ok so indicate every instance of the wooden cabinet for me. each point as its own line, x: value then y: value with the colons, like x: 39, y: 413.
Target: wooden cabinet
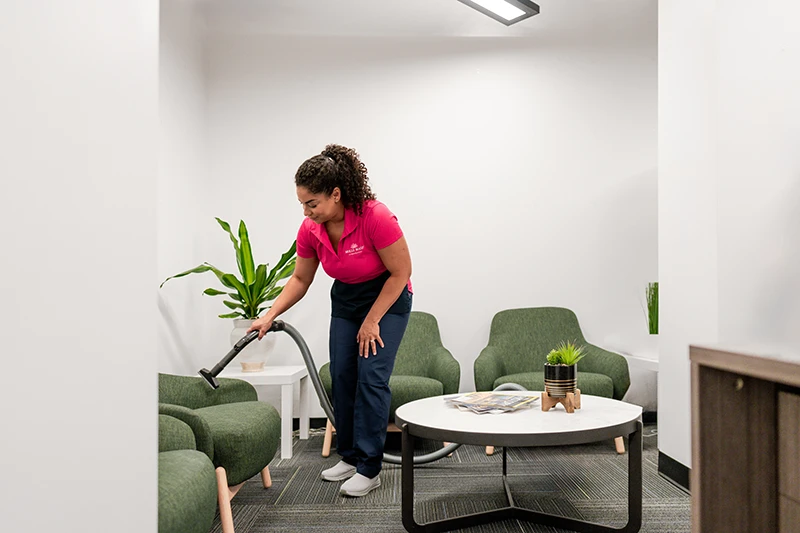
x: 745, y: 442
x: 789, y: 462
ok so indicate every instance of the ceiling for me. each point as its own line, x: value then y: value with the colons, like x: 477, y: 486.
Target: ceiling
x: 424, y: 18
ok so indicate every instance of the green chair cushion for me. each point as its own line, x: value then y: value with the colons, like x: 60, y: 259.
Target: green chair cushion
x: 588, y: 382
x: 187, y: 492
x: 409, y: 388
x: 246, y: 437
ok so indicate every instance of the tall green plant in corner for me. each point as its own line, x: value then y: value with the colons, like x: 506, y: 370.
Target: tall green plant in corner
x: 652, y: 307
x: 249, y: 294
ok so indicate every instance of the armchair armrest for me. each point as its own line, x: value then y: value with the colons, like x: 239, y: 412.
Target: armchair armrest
x: 610, y: 364
x: 174, y: 434
x: 194, y: 393
x: 488, y: 367
x: 233, y: 391
x: 202, y: 433
x: 445, y: 369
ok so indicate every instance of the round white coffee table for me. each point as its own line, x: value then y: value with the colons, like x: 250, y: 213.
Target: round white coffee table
x: 597, y: 419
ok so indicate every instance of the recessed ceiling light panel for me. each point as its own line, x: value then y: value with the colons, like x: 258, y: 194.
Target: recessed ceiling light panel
x: 506, y: 11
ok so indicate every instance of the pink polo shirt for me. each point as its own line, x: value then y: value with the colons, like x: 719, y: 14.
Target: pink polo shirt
x: 357, y: 258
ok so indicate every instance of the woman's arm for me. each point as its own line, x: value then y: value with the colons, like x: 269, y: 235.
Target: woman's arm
x: 292, y: 292
x: 397, y: 261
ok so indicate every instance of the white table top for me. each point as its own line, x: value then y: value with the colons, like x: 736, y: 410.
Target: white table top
x: 271, y: 375
x: 435, y: 418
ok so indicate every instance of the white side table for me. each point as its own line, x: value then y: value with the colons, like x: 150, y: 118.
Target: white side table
x: 286, y: 377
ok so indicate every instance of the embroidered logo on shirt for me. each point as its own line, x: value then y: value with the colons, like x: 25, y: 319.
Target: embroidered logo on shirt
x: 354, y: 249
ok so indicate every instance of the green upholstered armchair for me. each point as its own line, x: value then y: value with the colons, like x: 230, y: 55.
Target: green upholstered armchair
x: 519, y: 341
x: 423, y: 368
x: 187, y: 487
x: 239, y: 433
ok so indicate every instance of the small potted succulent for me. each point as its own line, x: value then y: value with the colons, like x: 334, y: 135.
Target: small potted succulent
x: 561, y: 370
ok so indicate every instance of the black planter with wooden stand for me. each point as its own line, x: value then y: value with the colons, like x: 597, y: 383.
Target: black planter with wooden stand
x: 561, y: 386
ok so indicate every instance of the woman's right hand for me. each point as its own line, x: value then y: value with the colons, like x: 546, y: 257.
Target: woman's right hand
x: 262, y: 325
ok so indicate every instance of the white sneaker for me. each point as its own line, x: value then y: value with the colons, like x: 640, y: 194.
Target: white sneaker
x: 359, y: 485
x: 339, y: 472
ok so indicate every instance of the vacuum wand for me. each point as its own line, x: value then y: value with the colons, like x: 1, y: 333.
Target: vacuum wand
x: 211, y: 375
x: 324, y: 401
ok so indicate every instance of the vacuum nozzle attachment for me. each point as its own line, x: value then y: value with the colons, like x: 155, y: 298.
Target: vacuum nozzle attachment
x: 211, y: 375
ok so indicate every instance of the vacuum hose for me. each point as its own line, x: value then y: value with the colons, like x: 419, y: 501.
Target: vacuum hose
x: 278, y: 325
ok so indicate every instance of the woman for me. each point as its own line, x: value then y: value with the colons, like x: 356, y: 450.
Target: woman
x: 360, y: 244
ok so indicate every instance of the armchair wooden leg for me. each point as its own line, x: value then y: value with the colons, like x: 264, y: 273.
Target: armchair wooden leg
x: 224, y: 499
x: 490, y: 450
x: 266, y: 479
x: 620, y: 443
x: 326, y: 444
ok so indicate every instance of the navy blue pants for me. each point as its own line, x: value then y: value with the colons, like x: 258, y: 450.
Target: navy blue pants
x: 361, y: 394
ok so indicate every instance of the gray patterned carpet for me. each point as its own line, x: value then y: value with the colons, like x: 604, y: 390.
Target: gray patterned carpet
x: 587, y: 482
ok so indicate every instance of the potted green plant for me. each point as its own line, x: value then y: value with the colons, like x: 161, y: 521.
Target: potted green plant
x: 248, y: 295
x: 561, y: 370
x: 651, y: 294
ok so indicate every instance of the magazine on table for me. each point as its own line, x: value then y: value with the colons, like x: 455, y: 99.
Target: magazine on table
x: 492, y: 402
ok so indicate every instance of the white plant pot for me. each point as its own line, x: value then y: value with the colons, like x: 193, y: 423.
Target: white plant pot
x: 254, y: 355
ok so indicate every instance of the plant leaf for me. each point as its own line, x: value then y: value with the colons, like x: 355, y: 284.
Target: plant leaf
x: 231, y: 315
x: 233, y: 305
x: 247, y: 268
x: 273, y: 293
x: 227, y: 227
x: 221, y: 276
x: 196, y: 270
x: 236, y: 284
x: 213, y: 292
x: 236, y: 296
x: 285, y: 272
x: 257, y: 287
x: 651, y: 293
x: 289, y: 254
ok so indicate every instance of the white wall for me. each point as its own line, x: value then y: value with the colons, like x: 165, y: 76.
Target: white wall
x: 182, y: 167
x: 687, y: 197
x: 78, y: 190
x: 729, y: 188
x: 522, y: 173
x: 759, y: 173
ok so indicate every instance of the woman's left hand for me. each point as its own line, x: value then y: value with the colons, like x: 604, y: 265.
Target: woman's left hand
x: 369, y: 337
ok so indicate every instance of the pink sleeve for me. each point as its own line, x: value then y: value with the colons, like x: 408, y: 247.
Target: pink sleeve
x: 384, y: 228
x: 304, y: 247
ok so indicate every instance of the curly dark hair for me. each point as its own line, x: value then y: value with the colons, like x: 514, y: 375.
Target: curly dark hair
x: 337, y: 166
